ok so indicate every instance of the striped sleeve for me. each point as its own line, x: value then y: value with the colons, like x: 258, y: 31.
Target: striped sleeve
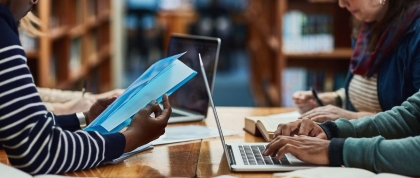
x: 33, y: 139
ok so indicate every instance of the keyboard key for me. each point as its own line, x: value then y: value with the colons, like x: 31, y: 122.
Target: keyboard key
x: 275, y: 161
x: 284, y: 161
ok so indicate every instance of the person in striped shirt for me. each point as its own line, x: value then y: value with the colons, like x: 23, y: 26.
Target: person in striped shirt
x: 384, y: 67
x: 39, y: 142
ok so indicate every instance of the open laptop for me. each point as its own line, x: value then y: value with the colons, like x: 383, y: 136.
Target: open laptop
x: 247, y: 157
x: 190, y: 102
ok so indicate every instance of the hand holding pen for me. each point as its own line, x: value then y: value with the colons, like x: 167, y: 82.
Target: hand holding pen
x: 305, y: 101
x: 315, y: 95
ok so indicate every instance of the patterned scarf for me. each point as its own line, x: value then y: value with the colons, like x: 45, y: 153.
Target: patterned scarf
x: 366, y: 63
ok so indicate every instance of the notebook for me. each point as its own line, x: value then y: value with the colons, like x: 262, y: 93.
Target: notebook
x: 247, y: 157
x: 190, y: 102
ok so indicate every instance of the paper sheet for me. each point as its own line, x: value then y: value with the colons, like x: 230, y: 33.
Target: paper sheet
x: 188, y: 133
x: 128, y: 154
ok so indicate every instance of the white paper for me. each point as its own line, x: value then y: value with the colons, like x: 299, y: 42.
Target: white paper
x: 128, y: 154
x: 333, y: 172
x: 188, y: 133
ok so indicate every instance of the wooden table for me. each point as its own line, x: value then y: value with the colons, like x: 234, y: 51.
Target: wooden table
x: 200, y: 158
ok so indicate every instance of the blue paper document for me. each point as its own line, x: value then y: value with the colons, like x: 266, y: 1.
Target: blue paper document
x: 165, y: 76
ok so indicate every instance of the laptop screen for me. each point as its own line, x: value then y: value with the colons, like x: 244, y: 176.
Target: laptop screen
x: 192, y: 96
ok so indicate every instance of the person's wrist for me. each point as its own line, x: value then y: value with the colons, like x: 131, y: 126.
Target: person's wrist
x: 328, y: 98
x: 133, y: 140
x: 82, y: 119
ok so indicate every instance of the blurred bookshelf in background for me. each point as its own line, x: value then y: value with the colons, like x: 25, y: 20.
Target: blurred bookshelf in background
x: 310, y: 34
x: 150, y: 23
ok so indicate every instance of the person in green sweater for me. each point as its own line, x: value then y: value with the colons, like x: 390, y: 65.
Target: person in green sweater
x: 386, y: 142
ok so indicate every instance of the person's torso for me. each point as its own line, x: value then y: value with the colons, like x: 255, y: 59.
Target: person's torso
x: 398, y: 76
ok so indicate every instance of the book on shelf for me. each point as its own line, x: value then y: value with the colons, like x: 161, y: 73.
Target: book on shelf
x: 294, y: 79
x: 342, y: 172
x: 307, y: 32
x: 75, y: 55
x: 267, y: 125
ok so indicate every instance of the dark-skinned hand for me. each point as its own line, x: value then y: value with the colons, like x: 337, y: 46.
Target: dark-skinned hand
x: 97, y: 108
x: 145, y: 128
x: 309, y: 149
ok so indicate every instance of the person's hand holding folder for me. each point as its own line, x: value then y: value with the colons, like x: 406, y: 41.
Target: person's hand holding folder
x: 145, y: 128
x: 97, y: 108
x: 163, y: 77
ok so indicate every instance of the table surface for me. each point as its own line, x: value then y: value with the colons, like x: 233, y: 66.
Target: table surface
x: 199, y: 158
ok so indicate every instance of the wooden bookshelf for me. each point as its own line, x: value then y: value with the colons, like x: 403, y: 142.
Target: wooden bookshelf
x: 268, y: 61
x: 77, y: 44
x: 337, y: 54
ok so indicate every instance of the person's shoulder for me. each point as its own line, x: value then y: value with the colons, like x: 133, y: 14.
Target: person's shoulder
x: 8, y: 35
x: 6, y: 26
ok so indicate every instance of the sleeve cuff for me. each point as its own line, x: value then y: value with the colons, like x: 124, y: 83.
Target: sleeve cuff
x: 335, y: 152
x: 341, y: 93
x: 114, y: 146
x: 330, y: 128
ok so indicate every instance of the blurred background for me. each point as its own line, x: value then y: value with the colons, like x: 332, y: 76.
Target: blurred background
x: 269, y: 49
x: 149, y: 24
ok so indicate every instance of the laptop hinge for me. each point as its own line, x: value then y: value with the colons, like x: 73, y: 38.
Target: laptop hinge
x: 232, y: 159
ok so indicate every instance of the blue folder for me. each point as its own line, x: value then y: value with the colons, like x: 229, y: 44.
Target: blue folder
x: 163, y: 77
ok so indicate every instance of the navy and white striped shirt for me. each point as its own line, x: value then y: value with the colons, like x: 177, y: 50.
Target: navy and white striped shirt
x: 36, y: 141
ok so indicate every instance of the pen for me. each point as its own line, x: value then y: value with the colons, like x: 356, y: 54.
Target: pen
x: 84, y: 87
x: 318, y: 101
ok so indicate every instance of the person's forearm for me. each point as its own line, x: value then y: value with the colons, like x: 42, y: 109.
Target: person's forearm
x: 376, y: 154
x: 400, y: 122
x: 133, y: 140
x: 328, y: 98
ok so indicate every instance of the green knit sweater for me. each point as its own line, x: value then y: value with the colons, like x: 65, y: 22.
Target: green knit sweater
x: 386, y: 142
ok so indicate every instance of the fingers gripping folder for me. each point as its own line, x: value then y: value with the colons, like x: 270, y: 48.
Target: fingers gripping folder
x: 163, y: 77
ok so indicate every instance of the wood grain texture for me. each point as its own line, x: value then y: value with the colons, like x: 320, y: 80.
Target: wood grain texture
x: 199, y: 158
x: 177, y: 160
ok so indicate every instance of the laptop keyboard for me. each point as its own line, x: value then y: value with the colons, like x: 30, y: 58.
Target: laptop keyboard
x: 252, y: 155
